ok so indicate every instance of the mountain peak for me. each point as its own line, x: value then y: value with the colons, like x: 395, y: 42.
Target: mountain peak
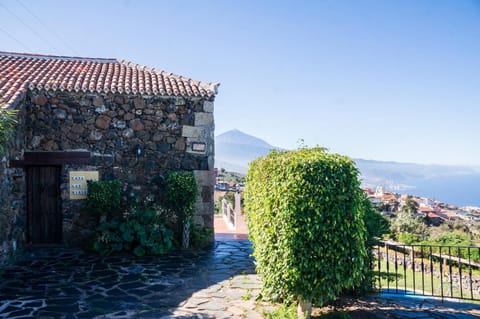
x: 234, y: 149
x: 238, y: 137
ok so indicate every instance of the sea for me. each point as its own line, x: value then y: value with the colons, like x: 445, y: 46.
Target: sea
x: 458, y: 190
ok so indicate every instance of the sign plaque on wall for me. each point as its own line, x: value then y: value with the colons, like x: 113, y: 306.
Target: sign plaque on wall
x: 78, y: 183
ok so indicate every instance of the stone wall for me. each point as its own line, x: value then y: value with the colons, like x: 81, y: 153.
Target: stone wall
x: 12, y: 217
x: 172, y: 134
x: 12, y: 197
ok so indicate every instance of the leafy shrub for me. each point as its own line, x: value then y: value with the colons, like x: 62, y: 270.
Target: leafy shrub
x: 456, y: 238
x: 104, y: 198
x: 218, y: 207
x: 230, y: 197
x: 200, y: 236
x: 150, y: 236
x: 109, y: 239
x: 141, y: 232
x: 181, y: 192
x: 180, y: 197
x: 409, y: 238
x: 459, y: 226
x: 305, y: 215
x: 377, y: 226
x: 407, y: 223
x: 283, y: 311
x: 453, y: 239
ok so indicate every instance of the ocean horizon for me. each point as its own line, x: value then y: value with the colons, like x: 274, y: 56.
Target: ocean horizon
x: 458, y: 190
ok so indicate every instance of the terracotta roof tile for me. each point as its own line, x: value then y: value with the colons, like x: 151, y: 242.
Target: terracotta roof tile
x: 22, y: 71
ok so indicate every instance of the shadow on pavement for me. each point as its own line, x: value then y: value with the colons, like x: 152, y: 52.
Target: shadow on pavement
x: 392, y: 306
x: 69, y: 283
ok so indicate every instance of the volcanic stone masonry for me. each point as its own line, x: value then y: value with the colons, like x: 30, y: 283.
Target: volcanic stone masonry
x: 135, y: 139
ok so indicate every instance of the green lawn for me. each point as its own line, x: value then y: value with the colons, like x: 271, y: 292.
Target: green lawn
x: 406, y: 279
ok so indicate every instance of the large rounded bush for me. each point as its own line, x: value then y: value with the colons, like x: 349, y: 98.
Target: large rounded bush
x: 304, y: 211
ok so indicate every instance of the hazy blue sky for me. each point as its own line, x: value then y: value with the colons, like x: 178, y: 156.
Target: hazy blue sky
x: 386, y: 80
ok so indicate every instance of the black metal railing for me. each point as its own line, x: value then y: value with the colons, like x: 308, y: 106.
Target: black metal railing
x: 428, y: 270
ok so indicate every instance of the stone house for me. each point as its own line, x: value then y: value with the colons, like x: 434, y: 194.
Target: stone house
x: 88, y: 118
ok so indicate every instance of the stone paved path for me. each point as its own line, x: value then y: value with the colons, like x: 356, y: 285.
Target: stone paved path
x: 66, y: 283
x: 224, y: 232
x: 218, y: 282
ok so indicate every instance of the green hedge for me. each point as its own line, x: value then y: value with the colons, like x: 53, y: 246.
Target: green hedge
x: 305, y: 215
x: 104, y: 198
x: 181, y: 193
x: 180, y: 197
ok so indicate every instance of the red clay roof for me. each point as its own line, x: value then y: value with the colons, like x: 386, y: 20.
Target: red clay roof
x: 433, y: 215
x: 425, y: 209
x: 22, y: 71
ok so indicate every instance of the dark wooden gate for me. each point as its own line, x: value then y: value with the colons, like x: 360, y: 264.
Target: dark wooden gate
x: 44, y: 213
x: 43, y: 205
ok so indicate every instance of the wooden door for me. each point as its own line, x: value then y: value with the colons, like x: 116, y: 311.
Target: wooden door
x: 43, y: 205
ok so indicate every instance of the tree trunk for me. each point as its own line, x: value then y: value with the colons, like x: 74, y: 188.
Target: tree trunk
x: 304, y: 309
x: 186, y: 234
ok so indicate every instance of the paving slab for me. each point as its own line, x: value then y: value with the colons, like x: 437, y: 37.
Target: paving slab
x: 69, y: 283
x: 217, y: 282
